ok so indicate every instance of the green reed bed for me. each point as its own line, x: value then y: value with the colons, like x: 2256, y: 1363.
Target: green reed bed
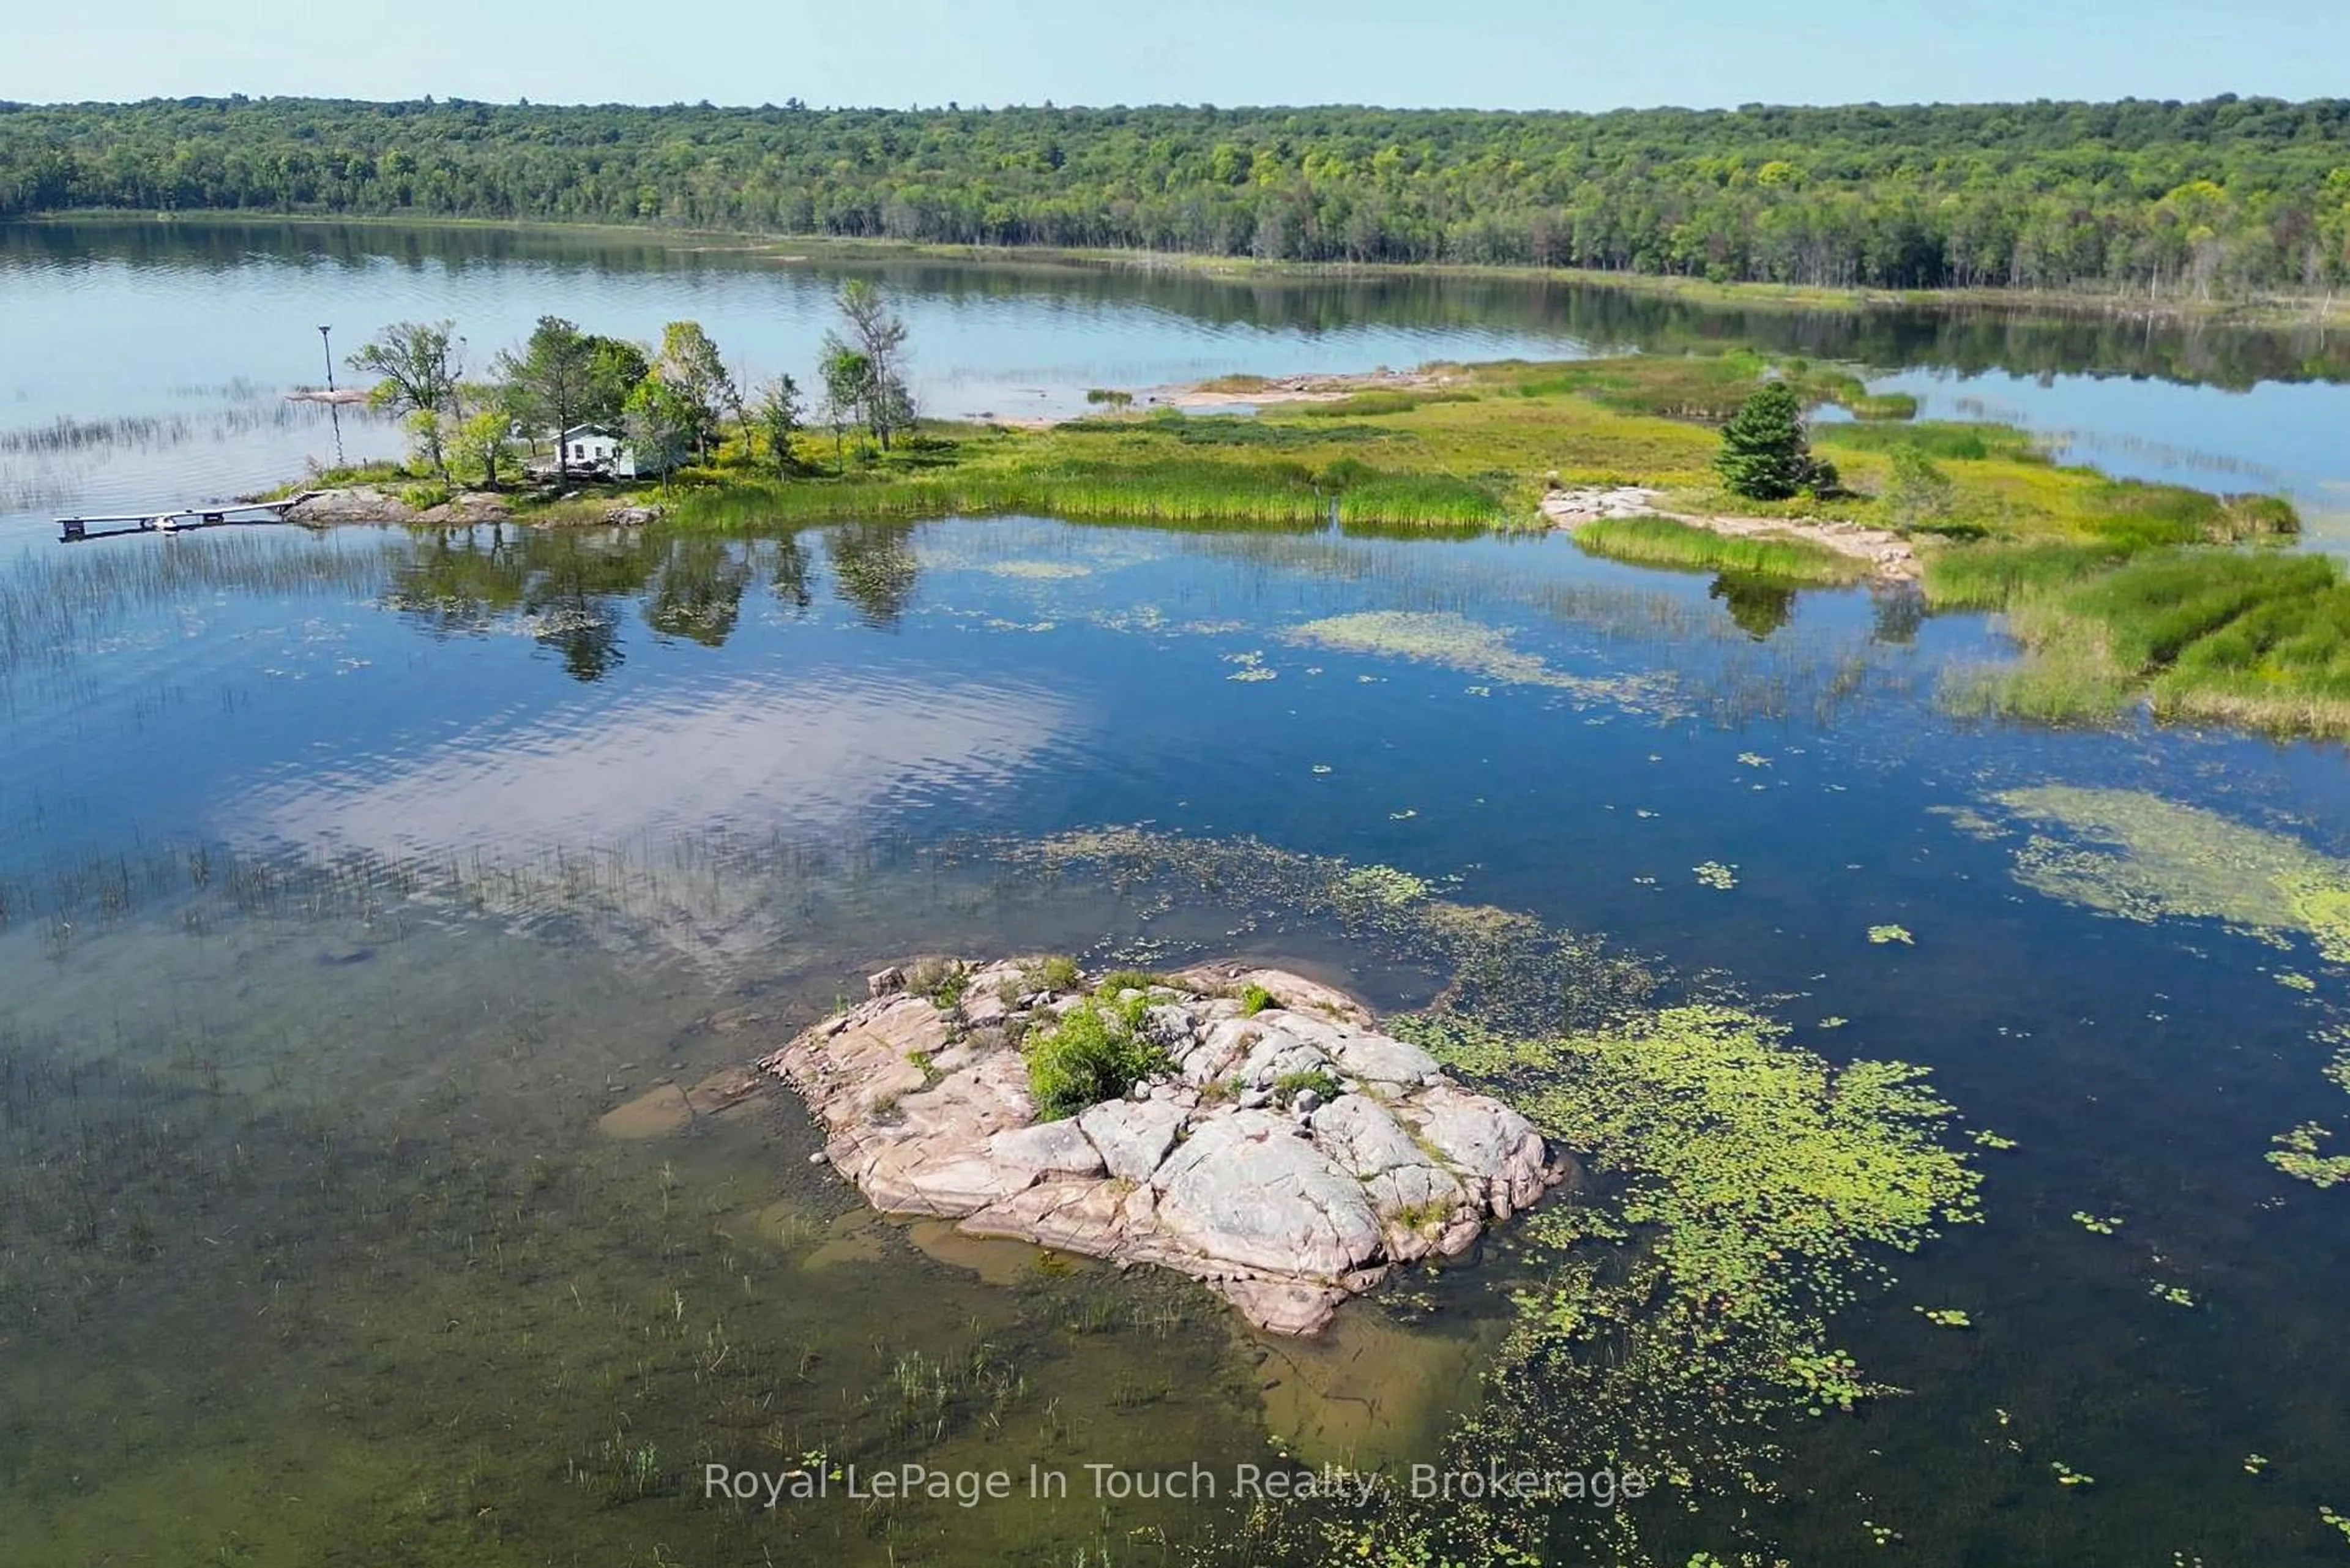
x: 2204, y: 634
x: 1435, y: 500
x: 1264, y: 495
x: 1992, y: 576
x: 1661, y: 542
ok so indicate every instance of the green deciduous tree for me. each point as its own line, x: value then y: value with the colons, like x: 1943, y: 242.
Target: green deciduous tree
x: 876, y: 337
x: 615, y: 365
x: 417, y: 365
x: 482, y: 445
x: 690, y: 365
x: 845, y: 373
x: 657, y: 423
x: 552, y: 379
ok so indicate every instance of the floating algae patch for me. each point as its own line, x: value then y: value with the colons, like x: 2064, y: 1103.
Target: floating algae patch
x: 1682, y: 1313
x: 1507, y: 965
x: 2301, y: 1153
x: 2143, y: 857
x: 1680, y: 1307
x: 1455, y: 642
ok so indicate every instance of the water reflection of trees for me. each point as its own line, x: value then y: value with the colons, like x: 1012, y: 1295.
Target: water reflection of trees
x: 568, y: 589
x: 874, y: 569
x: 1759, y: 605
x: 1966, y: 339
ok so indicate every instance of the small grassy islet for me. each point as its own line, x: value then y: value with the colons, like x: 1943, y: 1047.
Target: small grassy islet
x: 2118, y: 591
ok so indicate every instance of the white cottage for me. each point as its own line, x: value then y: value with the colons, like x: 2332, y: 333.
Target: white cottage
x: 597, y: 449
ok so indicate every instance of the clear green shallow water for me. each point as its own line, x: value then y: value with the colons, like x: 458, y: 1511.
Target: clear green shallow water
x: 348, y: 883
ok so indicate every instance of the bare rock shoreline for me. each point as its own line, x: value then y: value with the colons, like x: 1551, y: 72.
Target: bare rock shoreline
x: 1289, y: 1156
x: 373, y: 504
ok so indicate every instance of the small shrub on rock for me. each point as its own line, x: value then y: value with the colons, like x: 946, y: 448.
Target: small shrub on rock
x: 1092, y: 1054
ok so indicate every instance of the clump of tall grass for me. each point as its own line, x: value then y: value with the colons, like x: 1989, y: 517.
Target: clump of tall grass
x: 1434, y: 498
x: 2070, y: 677
x: 1662, y: 542
x: 2155, y: 607
x: 1180, y: 497
x: 1992, y: 576
x: 1167, y: 491
x: 2214, y: 635
x: 1378, y: 403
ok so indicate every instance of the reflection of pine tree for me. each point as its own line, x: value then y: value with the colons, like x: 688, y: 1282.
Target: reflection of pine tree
x: 1760, y: 608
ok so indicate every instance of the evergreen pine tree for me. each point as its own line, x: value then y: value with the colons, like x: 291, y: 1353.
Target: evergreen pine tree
x: 1764, y: 456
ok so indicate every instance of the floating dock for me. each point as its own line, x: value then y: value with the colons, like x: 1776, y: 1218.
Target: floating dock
x: 179, y: 520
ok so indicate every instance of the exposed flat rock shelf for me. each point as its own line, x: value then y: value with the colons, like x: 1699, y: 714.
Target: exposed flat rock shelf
x: 1283, y: 1199
x: 373, y: 504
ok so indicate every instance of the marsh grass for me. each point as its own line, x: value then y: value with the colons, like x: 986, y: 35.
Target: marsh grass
x: 2254, y: 640
x: 1995, y: 575
x: 1662, y: 542
x: 55, y: 602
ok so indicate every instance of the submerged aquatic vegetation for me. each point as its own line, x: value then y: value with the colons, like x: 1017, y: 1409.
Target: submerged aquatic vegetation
x: 1455, y: 642
x: 1385, y: 885
x: 1882, y: 934
x: 2142, y: 857
x: 2135, y: 854
x: 1752, y: 1190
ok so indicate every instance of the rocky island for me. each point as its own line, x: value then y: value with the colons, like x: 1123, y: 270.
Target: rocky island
x: 1250, y: 1127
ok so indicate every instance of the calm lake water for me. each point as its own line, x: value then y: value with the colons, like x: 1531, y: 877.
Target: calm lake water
x: 345, y: 882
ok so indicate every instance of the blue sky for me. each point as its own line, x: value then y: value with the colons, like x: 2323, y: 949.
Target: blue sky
x: 1521, y: 53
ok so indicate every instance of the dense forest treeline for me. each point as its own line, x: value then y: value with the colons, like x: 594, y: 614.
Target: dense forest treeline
x: 2221, y: 197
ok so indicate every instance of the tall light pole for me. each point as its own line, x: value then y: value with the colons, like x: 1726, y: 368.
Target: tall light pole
x: 334, y: 404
